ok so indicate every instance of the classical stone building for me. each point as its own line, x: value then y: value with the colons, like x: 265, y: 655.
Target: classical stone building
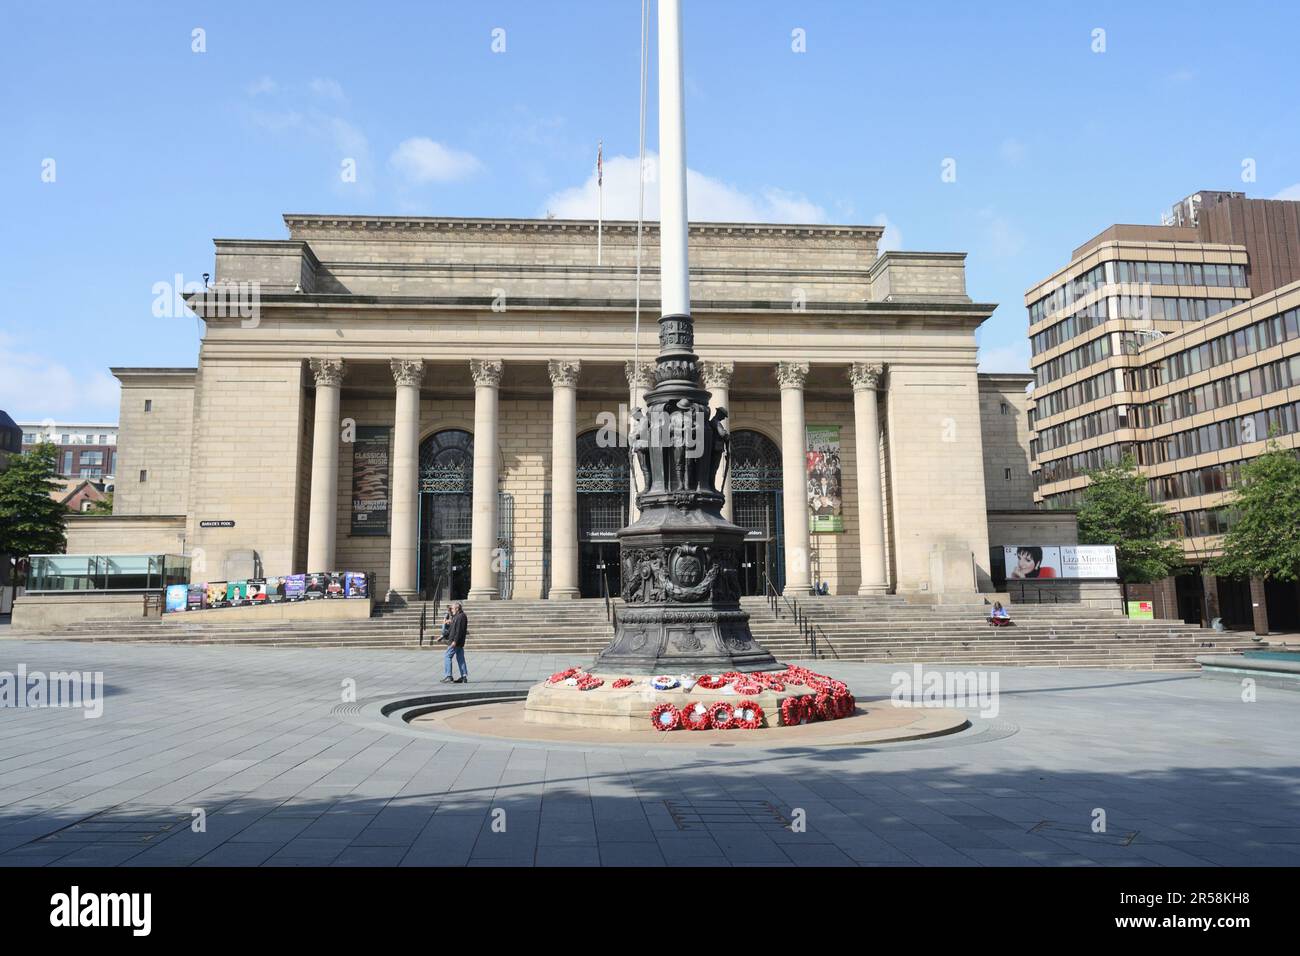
x: 439, y: 401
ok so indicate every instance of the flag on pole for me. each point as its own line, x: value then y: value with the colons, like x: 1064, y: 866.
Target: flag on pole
x: 600, y: 163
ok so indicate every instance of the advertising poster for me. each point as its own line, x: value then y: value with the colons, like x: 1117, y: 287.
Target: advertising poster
x: 334, y: 585
x: 195, y: 597
x: 236, y: 593
x: 217, y: 594
x: 1143, y: 610
x: 274, y: 589
x: 1088, y: 561
x: 256, y: 590
x: 825, y: 491
x: 370, y: 480
x: 317, y: 584
x: 1031, y: 562
x: 295, y: 587
x: 356, y: 585
x: 177, y: 598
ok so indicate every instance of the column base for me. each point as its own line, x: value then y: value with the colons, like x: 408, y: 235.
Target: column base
x: 483, y: 594
x: 400, y: 597
x: 563, y: 594
x: 872, y: 590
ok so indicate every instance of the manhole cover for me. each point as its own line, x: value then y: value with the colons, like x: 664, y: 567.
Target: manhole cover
x: 121, y: 826
x: 707, y: 814
x: 1073, y: 831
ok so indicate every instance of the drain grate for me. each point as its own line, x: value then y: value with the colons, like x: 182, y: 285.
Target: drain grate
x: 121, y: 825
x: 707, y: 814
x: 1075, y: 831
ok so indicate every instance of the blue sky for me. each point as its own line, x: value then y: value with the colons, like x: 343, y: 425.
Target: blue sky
x: 158, y: 149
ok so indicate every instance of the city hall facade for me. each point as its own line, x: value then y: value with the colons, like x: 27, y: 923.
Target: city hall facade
x: 443, y: 403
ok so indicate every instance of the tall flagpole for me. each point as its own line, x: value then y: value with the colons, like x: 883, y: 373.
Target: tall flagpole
x: 680, y: 559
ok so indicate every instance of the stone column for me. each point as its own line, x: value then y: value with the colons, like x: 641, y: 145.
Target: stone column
x: 404, y: 534
x: 323, y: 515
x: 483, y: 533
x: 564, y: 478
x: 871, y: 510
x: 638, y: 379
x: 717, y: 379
x: 794, y: 474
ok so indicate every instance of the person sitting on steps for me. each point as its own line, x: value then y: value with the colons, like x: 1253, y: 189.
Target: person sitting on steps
x: 999, y: 616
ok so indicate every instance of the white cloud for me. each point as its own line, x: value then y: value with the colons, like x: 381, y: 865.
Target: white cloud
x: 327, y: 89
x: 893, y: 237
x: 421, y: 160
x: 1003, y: 239
x: 263, y: 84
x: 1010, y: 357
x: 1291, y: 192
x: 34, y: 386
x: 1013, y: 151
x: 709, y: 199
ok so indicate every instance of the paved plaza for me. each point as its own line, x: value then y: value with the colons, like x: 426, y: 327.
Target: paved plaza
x: 262, y: 742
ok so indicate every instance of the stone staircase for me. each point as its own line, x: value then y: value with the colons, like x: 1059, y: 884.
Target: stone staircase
x: 877, y: 629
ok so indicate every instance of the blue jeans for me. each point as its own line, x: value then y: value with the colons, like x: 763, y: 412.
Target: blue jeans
x: 459, y: 654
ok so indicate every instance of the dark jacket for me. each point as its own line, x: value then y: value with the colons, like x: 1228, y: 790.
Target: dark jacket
x: 459, y: 628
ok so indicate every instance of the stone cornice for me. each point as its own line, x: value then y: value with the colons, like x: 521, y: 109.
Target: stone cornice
x: 397, y: 224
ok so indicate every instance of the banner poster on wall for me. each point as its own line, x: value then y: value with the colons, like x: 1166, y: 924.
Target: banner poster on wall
x: 370, y: 480
x: 177, y: 596
x: 825, y: 488
x: 1031, y: 562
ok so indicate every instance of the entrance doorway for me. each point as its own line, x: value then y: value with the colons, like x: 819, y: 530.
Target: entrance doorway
x: 597, y: 560
x: 603, y: 493
x: 756, y: 493
x: 446, y: 509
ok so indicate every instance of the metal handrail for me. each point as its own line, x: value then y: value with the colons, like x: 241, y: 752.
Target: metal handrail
x: 809, y: 630
x: 424, y: 609
x: 611, y: 612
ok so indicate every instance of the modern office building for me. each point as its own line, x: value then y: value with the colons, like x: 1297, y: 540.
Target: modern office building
x: 1177, y: 344
x: 84, y: 450
x: 440, y: 401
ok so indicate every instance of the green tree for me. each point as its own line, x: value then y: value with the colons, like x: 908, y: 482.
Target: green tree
x: 1264, y: 541
x: 104, y: 506
x: 31, y: 521
x: 1116, y: 509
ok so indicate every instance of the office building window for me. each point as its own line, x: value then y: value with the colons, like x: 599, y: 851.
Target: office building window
x: 1008, y: 473
x: 144, y: 474
x: 148, y: 404
x: 67, y: 462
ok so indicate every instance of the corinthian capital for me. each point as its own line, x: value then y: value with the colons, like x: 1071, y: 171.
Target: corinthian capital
x: 327, y: 371
x: 717, y: 374
x: 866, y: 376
x: 407, y: 371
x: 791, y: 374
x: 564, y: 371
x: 486, y: 371
x: 638, y: 373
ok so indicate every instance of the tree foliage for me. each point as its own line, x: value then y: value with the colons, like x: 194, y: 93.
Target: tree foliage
x: 31, y: 521
x: 1264, y: 540
x: 1117, y: 509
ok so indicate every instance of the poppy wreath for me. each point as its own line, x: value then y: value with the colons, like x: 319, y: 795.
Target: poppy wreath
x: 825, y: 709
x: 722, y: 716
x: 561, y: 676
x: 749, y: 716
x: 709, y: 682
x: 696, y: 717
x: 770, y: 681
x: 588, y: 682
x: 748, y: 686
x: 665, y: 683
x: 807, y: 709
x: 623, y: 682
x: 790, y: 711
x: 843, y: 705
x: 665, y: 716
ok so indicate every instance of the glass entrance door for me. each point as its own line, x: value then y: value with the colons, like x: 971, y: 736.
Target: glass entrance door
x: 447, y: 570
x: 597, y: 559
x: 753, y: 569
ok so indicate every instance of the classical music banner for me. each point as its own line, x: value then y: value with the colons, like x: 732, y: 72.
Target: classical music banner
x: 825, y: 488
x: 370, y: 480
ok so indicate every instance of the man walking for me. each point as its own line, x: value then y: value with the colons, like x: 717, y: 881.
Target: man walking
x: 456, y: 632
